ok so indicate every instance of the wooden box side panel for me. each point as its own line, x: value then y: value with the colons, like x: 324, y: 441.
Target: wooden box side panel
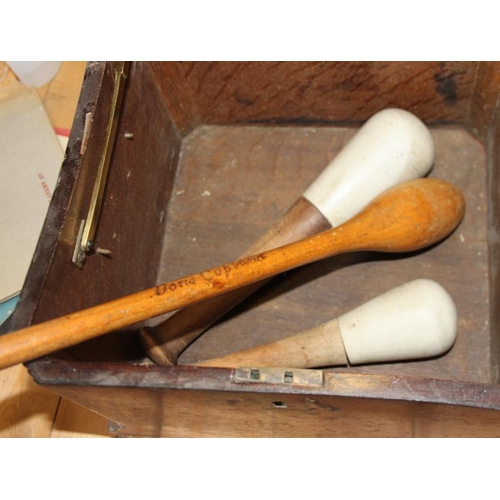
x: 181, y: 413
x: 153, y: 401
x: 134, y: 211
x: 251, y: 175
x: 176, y: 94
x: 483, y: 103
x: 327, y: 92
x: 62, y: 197
x: 493, y: 181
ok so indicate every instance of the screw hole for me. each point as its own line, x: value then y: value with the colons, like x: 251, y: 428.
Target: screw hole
x: 254, y: 374
x: 288, y: 378
x: 279, y: 404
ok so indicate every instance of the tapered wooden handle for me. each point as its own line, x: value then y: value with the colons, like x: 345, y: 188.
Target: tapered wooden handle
x: 392, y: 147
x: 412, y: 321
x: 405, y: 218
x: 317, y: 347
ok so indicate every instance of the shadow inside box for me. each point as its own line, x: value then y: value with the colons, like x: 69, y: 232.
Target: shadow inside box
x: 303, y: 276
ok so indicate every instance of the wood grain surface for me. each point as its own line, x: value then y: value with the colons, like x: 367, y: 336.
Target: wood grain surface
x: 318, y: 92
x: 190, y: 411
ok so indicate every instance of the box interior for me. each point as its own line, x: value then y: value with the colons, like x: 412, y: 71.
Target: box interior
x: 221, y: 150
x: 249, y: 176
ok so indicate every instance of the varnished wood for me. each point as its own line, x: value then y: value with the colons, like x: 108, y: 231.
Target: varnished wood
x: 483, y: 101
x: 206, y: 402
x: 406, y: 218
x: 168, y: 339
x: 317, y: 92
x: 176, y: 95
x: 493, y: 222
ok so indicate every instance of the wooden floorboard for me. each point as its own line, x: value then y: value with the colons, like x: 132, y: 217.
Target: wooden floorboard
x: 27, y: 410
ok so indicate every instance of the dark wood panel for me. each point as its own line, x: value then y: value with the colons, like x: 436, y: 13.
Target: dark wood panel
x: 347, y: 406
x: 484, y: 99
x: 176, y: 95
x: 493, y: 201
x: 327, y: 92
x: 133, y: 216
x: 61, y: 199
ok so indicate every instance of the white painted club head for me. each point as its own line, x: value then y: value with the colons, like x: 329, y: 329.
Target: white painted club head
x: 412, y: 321
x: 392, y: 147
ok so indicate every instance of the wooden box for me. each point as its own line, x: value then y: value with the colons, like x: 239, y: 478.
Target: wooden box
x: 206, y: 157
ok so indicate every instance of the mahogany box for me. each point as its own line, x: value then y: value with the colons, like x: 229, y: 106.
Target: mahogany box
x: 205, y: 157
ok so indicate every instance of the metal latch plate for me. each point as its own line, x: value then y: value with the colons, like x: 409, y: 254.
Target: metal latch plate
x: 287, y: 376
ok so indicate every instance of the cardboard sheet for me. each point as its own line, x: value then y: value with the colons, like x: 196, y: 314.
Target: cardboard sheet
x: 30, y: 159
